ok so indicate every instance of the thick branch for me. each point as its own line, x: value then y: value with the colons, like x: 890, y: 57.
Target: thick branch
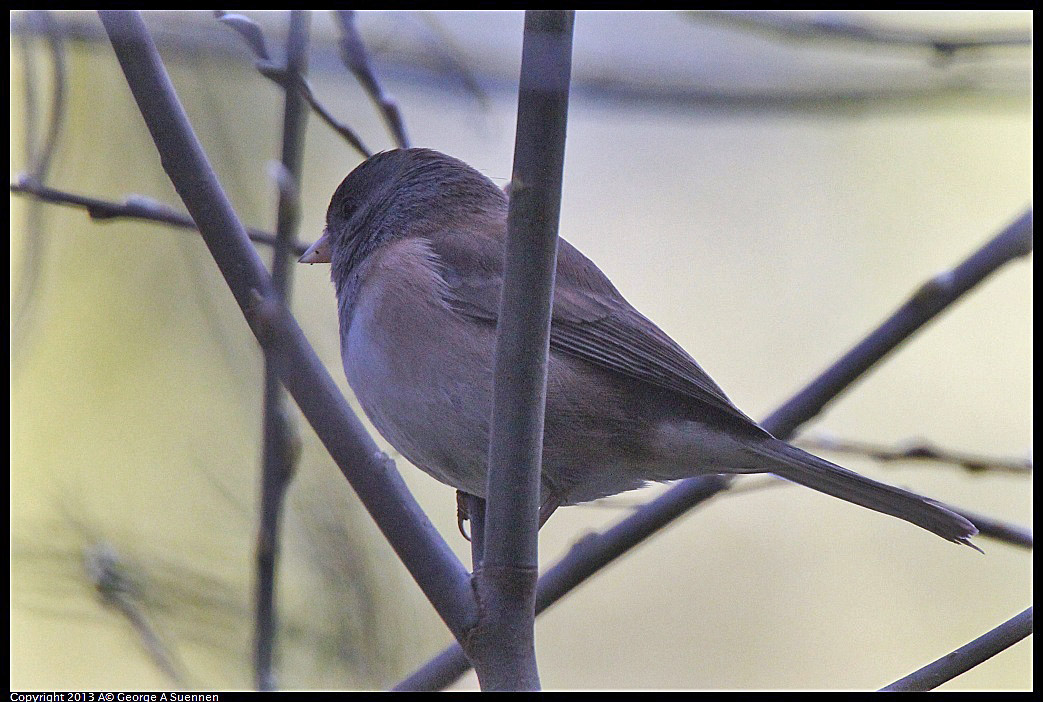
x: 503, y: 648
x: 372, y: 475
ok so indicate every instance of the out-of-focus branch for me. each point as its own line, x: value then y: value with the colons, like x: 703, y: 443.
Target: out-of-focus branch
x: 372, y: 475
x: 451, y: 52
x: 118, y: 591
x: 966, y: 657
x: 133, y: 207
x: 831, y: 26
x: 918, y: 450
x: 38, y: 156
x: 353, y: 53
x: 281, y: 443
x: 251, y: 33
x: 989, y: 527
x: 934, y: 296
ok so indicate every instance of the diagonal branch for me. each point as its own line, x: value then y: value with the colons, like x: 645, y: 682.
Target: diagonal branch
x: 966, y: 657
x: 932, y: 298
x: 372, y: 474
x: 252, y: 35
x: 353, y: 53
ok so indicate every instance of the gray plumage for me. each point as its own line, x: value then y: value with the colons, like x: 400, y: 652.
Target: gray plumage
x: 416, y: 241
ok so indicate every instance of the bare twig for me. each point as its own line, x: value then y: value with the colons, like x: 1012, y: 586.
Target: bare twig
x: 249, y: 30
x: 346, y: 132
x: 918, y: 450
x: 281, y: 443
x: 933, y: 297
x: 353, y: 53
x: 502, y: 646
x: 429, y: 559
x: 133, y: 207
x: 831, y: 26
x: 252, y: 35
x: 966, y: 657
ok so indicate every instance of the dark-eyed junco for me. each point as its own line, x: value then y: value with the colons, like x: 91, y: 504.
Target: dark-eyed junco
x: 416, y: 241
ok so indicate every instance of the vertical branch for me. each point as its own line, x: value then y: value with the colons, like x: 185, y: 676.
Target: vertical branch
x: 280, y: 440
x: 504, y: 644
x: 38, y: 158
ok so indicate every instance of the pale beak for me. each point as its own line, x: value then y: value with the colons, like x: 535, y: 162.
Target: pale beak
x: 319, y: 252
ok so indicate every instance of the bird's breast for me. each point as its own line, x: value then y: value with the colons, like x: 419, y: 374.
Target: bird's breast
x: 421, y: 372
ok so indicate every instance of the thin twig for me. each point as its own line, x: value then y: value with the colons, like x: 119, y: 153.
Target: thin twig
x: 40, y: 161
x: 966, y: 657
x: 281, y: 442
x: 833, y: 26
x: 373, y: 476
x: 1013, y: 242
x: 353, y: 53
x: 252, y: 35
x: 136, y: 207
x: 346, y: 132
x: 918, y: 450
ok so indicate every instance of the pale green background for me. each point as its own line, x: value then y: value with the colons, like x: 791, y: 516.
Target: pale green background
x: 764, y: 243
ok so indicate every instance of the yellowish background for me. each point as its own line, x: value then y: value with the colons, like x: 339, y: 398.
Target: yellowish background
x: 764, y: 243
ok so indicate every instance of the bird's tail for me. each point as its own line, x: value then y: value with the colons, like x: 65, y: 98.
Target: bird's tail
x: 801, y: 467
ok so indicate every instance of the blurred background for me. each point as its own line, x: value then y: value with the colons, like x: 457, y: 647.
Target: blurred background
x: 767, y: 187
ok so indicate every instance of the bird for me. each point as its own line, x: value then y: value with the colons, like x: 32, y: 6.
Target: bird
x: 415, y: 241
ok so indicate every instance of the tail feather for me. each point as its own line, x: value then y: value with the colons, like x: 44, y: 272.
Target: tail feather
x: 801, y: 467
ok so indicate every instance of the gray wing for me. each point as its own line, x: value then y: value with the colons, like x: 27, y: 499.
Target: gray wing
x: 590, y: 320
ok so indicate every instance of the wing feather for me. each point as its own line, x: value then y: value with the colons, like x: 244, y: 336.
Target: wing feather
x: 590, y: 320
